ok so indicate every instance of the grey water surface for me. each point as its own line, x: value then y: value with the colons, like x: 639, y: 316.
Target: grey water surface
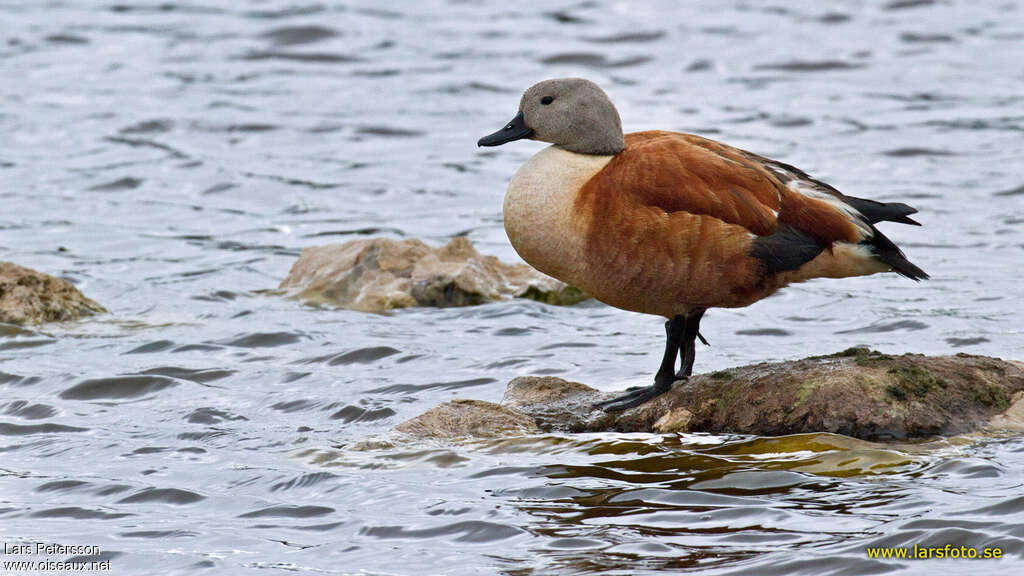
x: 173, y: 158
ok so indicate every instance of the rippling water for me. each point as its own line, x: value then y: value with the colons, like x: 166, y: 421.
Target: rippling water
x: 172, y: 159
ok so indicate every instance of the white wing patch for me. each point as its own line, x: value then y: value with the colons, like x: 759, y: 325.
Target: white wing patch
x: 812, y: 190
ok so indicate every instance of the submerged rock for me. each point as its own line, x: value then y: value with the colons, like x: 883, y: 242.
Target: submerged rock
x: 378, y: 274
x: 468, y: 418
x: 858, y: 393
x: 30, y: 297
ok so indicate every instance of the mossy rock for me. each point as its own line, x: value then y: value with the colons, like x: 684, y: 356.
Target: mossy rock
x: 856, y: 392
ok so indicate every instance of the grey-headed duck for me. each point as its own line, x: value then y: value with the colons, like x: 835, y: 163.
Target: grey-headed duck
x: 673, y: 224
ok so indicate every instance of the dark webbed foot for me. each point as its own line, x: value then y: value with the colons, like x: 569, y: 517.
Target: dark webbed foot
x: 633, y: 398
x: 680, y: 333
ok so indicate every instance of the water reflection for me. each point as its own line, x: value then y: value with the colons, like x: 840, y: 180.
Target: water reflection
x: 606, y: 502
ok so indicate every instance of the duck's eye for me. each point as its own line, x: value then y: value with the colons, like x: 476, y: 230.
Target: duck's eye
x: 547, y: 100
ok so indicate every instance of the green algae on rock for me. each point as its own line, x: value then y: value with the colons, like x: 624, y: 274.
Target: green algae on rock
x: 378, y: 274
x: 31, y: 297
x: 857, y: 393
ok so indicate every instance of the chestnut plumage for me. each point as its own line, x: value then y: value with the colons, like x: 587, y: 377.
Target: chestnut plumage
x: 673, y: 224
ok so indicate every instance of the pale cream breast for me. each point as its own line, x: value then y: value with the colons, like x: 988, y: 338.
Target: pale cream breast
x: 538, y: 211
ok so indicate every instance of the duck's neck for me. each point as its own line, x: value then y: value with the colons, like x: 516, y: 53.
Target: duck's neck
x: 596, y: 142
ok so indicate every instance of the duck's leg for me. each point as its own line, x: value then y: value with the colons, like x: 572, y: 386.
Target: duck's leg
x: 687, y: 348
x: 675, y: 330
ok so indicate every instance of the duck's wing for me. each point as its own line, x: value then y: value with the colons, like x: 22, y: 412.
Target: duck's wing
x: 870, y: 210
x: 668, y: 171
x: 707, y: 177
x: 791, y: 216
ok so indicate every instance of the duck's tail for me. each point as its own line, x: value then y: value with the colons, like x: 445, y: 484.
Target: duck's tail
x: 890, y: 254
x: 881, y: 247
x: 877, y: 212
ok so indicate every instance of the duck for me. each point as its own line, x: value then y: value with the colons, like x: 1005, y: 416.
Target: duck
x: 673, y: 224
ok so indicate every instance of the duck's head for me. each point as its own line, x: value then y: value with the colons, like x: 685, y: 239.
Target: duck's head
x: 571, y: 112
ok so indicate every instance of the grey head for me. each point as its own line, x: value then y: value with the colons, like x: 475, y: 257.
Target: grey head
x: 573, y: 113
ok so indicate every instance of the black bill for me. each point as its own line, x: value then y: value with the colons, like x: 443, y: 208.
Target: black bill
x: 514, y: 130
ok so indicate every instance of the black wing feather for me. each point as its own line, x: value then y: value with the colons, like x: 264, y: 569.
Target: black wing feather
x: 787, y: 249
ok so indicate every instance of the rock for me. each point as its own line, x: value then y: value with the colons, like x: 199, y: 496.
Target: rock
x: 858, y: 393
x: 1013, y: 419
x: 675, y: 420
x: 468, y: 418
x: 30, y: 297
x: 377, y: 274
x: 543, y: 393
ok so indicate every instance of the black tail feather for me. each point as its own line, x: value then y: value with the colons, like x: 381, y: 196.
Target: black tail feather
x: 890, y: 254
x: 877, y: 212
